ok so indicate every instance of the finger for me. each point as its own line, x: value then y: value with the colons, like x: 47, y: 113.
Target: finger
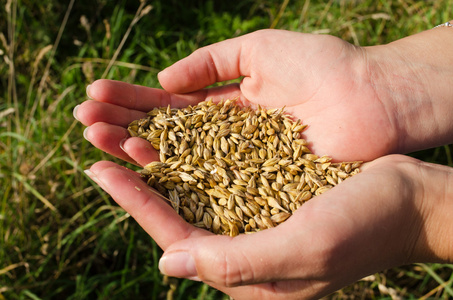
x: 245, y: 259
x: 139, y: 150
x: 90, y: 112
x: 151, y: 211
x: 108, y: 138
x: 227, y: 266
x: 208, y: 65
x: 138, y: 97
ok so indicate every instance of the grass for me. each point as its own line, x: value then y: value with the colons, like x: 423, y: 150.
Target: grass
x: 61, y: 237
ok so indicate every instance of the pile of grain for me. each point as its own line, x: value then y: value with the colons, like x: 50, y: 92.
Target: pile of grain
x: 232, y: 169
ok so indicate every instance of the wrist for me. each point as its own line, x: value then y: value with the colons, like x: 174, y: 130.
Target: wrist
x: 421, y: 226
x: 435, y: 241
x: 412, y: 78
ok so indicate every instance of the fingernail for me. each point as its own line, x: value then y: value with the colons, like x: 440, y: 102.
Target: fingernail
x: 160, y: 73
x: 85, y: 133
x: 74, y: 112
x: 92, y: 176
x: 88, y: 91
x: 178, y: 264
x: 122, y: 143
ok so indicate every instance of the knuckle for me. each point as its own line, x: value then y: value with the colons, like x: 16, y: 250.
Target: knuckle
x: 232, y: 270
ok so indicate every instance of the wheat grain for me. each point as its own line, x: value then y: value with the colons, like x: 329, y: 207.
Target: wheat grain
x: 232, y: 169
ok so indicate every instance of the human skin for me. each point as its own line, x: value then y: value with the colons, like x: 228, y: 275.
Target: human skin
x: 396, y: 211
x: 359, y: 103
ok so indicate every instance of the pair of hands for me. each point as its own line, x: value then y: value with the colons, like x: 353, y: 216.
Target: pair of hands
x: 383, y: 217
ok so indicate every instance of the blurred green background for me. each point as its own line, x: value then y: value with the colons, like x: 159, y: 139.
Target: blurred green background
x: 61, y: 237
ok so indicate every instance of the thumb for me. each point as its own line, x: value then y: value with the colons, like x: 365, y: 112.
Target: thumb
x: 270, y: 255
x: 214, y: 63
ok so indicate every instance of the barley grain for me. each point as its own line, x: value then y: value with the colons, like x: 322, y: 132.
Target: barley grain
x: 231, y: 169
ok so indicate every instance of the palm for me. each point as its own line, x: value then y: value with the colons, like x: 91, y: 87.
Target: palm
x: 323, y: 81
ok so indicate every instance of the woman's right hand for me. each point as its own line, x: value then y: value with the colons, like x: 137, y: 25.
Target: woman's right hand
x: 396, y: 211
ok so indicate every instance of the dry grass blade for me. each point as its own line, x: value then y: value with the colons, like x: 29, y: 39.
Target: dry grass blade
x: 141, y: 11
x: 54, y: 48
x: 55, y: 148
x: 442, y: 284
x: 12, y: 267
x: 32, y: 190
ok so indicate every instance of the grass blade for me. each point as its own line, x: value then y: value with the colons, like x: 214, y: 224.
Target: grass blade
x: 32, y: 190
x: 433, y: 274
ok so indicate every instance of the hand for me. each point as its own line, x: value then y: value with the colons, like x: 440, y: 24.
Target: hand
x: 391, y: 213
x: 356, y: 109
x: 320, y: 79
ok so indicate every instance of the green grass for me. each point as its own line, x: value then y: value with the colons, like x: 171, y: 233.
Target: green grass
x: 61, y: 237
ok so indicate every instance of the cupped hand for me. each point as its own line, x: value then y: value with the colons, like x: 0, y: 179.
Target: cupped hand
x: 320, y: 79
x: 387, y: 215
x: 396, y: 211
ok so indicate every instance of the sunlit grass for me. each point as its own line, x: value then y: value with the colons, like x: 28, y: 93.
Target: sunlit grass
x: 60, y: 235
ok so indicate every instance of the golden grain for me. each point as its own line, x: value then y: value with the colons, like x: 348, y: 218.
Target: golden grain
x: 232, y: 169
